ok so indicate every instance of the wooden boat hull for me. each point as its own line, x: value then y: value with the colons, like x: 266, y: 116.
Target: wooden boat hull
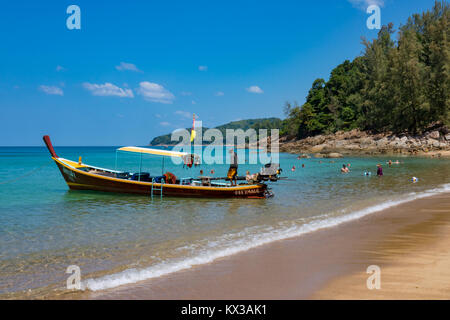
x: 80, y: 180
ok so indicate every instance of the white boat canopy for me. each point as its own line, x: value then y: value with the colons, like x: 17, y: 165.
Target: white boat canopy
x: 158, y: 152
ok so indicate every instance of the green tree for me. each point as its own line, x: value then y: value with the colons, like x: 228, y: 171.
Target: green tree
x: 400, y: 86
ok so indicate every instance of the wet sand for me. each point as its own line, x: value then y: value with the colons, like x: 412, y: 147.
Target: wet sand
x: 409, y: 242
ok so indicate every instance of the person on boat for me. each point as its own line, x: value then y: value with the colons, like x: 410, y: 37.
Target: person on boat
x: 188, y: 161
x: 379, y: 170
x: 232, y: 171
x: 344, y: 169
x: 170, y: 178
x: 251, y: 178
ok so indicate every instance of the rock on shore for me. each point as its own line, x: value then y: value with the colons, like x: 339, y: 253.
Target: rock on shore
x: 356, y: 142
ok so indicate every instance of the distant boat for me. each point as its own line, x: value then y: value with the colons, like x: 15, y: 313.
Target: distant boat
x: 80, y: 176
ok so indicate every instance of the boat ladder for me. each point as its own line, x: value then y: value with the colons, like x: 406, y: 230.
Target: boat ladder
x: 156, y: 189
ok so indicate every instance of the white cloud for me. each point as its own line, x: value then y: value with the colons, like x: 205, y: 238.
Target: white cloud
x: 255, y: 89
x: 183, y: 114
x: 364, y: 4
x: 124, y: 66
x: 155, y: 92
x: 108, y: 89
x: 203, y: 68
x: 220, y: 94
x: 60, y: 68
x: 53, y: 90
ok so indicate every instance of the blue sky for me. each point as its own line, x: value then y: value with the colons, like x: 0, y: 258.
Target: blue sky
x: 137, y: 69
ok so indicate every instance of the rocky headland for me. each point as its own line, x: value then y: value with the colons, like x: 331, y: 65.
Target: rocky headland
x: 433, y: 143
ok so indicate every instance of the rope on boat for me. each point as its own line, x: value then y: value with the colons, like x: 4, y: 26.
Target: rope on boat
x: 24, y: 175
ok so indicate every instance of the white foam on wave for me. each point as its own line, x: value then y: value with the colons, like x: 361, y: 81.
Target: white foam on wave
x: 232, y: 244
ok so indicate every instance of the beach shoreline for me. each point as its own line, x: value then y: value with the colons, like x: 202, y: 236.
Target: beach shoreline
x: 329, y: 263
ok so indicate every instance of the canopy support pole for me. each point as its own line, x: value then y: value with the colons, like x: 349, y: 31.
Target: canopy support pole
x: 140, y: 167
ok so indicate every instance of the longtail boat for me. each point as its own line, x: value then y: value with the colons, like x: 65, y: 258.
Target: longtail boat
x: 80, y: 176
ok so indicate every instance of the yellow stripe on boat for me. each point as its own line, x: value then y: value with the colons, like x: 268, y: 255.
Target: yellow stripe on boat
x: 73, y: 163
x: 153, y: 151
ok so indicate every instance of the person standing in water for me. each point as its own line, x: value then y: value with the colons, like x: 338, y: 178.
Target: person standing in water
x: 232, y: 171
x: 379, y: 170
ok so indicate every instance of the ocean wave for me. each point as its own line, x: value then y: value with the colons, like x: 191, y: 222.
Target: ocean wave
x: 239, y: 242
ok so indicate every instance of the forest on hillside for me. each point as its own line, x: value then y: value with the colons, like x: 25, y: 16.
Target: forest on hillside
x: 399, y: 84
x: 256, y: 124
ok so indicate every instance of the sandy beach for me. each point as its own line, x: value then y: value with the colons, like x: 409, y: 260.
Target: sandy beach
x: 409, y: 242
x: 415, y: 262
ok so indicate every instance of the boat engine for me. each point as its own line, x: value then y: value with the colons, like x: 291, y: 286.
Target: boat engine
x: 270, y: 171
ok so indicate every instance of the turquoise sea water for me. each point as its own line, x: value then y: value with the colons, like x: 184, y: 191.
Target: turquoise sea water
x: 117, y: 239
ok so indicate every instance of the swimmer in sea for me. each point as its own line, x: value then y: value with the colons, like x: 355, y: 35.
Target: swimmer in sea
x: 293, y: 168
x: 379, y: 170
x: 344, y: 169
